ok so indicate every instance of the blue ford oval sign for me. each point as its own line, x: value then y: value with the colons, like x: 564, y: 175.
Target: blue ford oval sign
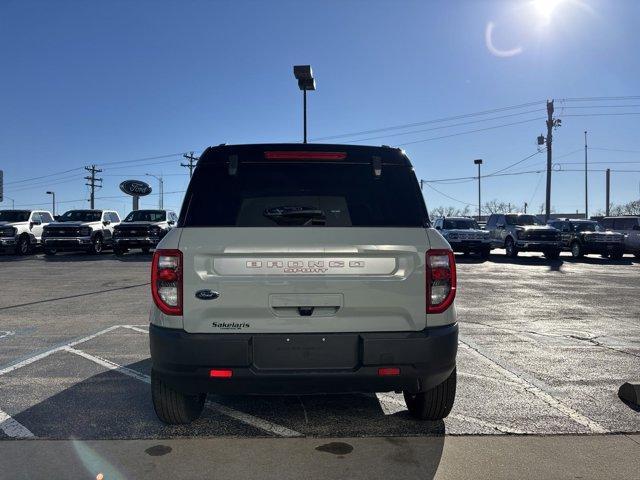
x: 136, y: 188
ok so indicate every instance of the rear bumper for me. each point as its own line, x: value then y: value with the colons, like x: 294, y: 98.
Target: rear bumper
x: 183, y: 361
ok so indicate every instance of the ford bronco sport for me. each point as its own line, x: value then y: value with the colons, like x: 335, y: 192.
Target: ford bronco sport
x: 303, y: 269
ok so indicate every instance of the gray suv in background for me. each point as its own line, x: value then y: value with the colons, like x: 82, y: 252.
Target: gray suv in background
x: 464, y: 235
x: 521, y: 232
x: 629, y: 226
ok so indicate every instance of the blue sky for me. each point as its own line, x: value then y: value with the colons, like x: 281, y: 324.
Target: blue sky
x: 103, y: 82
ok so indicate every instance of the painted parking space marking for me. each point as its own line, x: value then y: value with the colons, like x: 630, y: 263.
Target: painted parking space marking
x: 533, y: 386
x: 251, y: 420
x: 12, y: 428
x: 135, y: 328
x: 46, y: 353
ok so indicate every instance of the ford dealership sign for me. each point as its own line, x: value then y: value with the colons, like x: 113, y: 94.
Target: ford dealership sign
x: 135, y: 188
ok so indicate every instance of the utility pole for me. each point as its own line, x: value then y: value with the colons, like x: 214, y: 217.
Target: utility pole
x: 191, y: 164
x: 421, y: 184
x: 551, y: 124
x: 525, y: 207
x: 479, y: 162
x: 608, y: 191
x: 93, y: 183
x: 586, y: 184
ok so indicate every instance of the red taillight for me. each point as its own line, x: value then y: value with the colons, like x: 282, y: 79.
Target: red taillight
x: 441, y: 280
x: 221, y: 373
x: 305, y: 155
x: 388, y: 372
x: 166, y: 281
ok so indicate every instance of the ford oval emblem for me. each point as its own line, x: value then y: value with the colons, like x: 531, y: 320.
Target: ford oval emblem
x: 207, y: 294
x: 136, y: 188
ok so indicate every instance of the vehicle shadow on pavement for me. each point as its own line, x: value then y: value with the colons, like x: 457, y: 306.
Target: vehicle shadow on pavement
x: 594, y: 260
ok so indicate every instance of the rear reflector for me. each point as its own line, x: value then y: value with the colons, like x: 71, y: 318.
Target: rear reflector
x: 225, y: 373
x: 305, y: 155
x: 388, y: 372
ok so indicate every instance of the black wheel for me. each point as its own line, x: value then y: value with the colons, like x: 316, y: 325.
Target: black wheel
x: 552, y: 254
x: 434, y: 404
x: 119, y: 250
x: 576, y: 250
x: 24, y: 245
x: 510, y: 247
x: 173, y: 407
x: 97, y: 245
x: 485, y: 253
x: 146, y: 249
x: 49, y: 252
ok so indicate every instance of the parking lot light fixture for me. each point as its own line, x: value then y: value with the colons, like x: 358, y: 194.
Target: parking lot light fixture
x: 478, y: 162
x: 304, y: 75
x: 161, y: 182
x: 53, y: 194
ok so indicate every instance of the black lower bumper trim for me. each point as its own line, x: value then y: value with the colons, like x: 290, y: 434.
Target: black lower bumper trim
x: 307, y: 363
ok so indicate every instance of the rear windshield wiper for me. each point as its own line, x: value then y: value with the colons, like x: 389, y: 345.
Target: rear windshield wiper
x: 296, y: 215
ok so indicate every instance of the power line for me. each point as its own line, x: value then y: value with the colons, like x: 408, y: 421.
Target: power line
x: 427, y: 122
x: 518, y: 162
x: 448, y: 196
x: 607, y: 114
x: 598, y: 99
x: 471, y: 131
x: 614, y: 150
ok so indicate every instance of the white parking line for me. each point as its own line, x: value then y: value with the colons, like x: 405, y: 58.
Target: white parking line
x: 533, y: 386
x: 6, y: 333
x: 59, y: 348
x: 13, y: 428
x: 135, y: 328
x: 256, y: 422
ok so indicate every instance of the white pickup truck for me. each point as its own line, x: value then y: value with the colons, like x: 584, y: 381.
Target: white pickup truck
x: 303, y: 269
x: 21, y: 230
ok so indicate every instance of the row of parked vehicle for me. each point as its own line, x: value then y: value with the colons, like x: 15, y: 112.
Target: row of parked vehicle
x: 516, y: 232
x: 91, y: 231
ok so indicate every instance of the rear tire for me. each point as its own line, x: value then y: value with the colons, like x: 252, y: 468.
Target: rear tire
x: 434, y: 404
x: 510, y: 247
x: 173, y: 407
x: 485, y: 253
x: 617, y: 255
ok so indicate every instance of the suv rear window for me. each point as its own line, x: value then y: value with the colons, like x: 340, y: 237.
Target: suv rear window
x: 266, y: 194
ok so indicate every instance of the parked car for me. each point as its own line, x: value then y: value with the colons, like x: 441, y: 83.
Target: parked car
x: 582, y: 237
x: 464, y: 235
x: 303, y: 269
x: 142, y: 229
x: 629, y: 226
x: 521, y: 232
x: 21, y: 230
x: 81, y: 230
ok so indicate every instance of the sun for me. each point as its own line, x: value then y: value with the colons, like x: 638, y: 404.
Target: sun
x: 545, y: 8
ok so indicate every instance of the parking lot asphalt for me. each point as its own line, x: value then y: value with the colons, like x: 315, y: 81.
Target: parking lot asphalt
x: 544, y: 347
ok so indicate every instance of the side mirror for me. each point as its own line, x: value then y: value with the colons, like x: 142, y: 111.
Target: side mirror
x: 500, y: 225
x: 34, y: 223
x: 438, y: 227
x: 171, y: 222
x: 106, y: 222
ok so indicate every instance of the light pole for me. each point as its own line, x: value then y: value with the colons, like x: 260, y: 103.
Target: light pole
x: 54, y: 202
x: 159, y: 178
x: 586, y: 183
x: 478, y: 162
x: 13, y: 202
x: 304, y: 75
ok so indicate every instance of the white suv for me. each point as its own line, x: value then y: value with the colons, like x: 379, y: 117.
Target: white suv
x: 21, y: 230
x: 303, y: 269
